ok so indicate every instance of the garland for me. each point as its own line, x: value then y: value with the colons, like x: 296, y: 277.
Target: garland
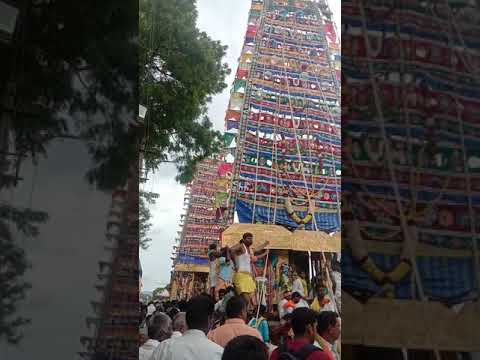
x: 366, y: 263
x: 295, y: 217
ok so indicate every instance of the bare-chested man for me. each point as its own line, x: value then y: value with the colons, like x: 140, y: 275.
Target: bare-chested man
x: 243, y: 278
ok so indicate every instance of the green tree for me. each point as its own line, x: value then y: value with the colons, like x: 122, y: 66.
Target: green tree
x: 146, y: 199
x: 156, y: 293
x: 55, y: 82
x: 180, y: 69
x: 13, y: 267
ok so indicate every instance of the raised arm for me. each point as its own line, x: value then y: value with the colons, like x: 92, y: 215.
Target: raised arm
x: 262, y: 246
x: 259, y: 255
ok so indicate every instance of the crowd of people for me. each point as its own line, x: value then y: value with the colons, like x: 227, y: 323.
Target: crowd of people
x: 232, y: 322
x: 195, y: 330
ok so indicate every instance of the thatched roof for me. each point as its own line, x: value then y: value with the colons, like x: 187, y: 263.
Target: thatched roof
x: 281, y: 238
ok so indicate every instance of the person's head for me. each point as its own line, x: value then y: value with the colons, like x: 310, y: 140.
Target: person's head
x: 158, y: 306
x: 221, y: 293
x: 328, y: 325
x: 296, y: 297
x: 321, y: 291
x: 263, y: 310
x: 203, y: 293
x: 182, y: 305
x: 287, y: 295
x: 287, y: 318
x: 236, y: 308
x: 199, y: 313
x: 159, y: 327
x: 247, y: 239
x: 143, y: 312
x: 304, y: 323
x: 272, y: 315
x: 229, y: 289
x: 336, y: 266
x: 245, y: 347
x: 172, y: 312
x: 212, y: 246
x: 180, y: 322
x: 302, y: 274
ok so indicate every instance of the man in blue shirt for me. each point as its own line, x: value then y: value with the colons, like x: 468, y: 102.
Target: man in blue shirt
x: 262, y: 324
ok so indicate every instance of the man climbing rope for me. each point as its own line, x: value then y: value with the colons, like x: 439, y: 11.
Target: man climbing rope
x: 243, y: 278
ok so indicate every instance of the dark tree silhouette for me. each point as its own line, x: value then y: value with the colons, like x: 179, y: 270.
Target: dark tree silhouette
x: 68, y: 71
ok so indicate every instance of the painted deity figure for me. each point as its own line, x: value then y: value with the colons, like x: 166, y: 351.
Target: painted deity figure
x: 284, y: 282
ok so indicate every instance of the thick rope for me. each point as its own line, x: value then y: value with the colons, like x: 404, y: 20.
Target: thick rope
x: 381, y: 120
x: 314, y: 191
x: 274, y: 155
x: 471, y: 211
x: 332, y: 121
x: 243, y: 125
x: 454, y: 24
x: 329, y: 280
x: 256, y: 172
x: 296, y: 138
x: 262, y: 289
x: 275, y: 163
x: 247, y: 102
x: 258, y: 145
x: 404, y: 225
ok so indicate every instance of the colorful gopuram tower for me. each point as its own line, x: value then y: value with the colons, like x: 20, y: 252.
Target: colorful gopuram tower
x: 285, y: 113
x: 115, y: 319
x: 200, y: 227
x: 411, y: 173
x: 281, y: 158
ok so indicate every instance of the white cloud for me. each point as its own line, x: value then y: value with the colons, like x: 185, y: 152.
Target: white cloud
x: 226, y: 22
x: 166, y: 213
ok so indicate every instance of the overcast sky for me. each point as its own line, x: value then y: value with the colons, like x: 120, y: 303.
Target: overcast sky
x: 73, y: 238
x: 225, y: 21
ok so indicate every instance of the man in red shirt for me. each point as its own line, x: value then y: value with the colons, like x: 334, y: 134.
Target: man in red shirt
x: 328, y: 329
x: 282, y: 332
x: 304, y: 326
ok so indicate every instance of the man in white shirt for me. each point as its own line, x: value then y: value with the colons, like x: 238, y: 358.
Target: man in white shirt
x: 143, y: 320
x: 159, y: 329
x: 221, y: 294
x: 146, y: 350
x: 150, y: 309
x: 298, y: 300
x: 179, y: 327
x: 300, y: 284
x: 193, y: 344
x: 337, y: 278
x: 229, y: 293
x: 329, y: 330
x: 328, y: 307
x: 281, y: 310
